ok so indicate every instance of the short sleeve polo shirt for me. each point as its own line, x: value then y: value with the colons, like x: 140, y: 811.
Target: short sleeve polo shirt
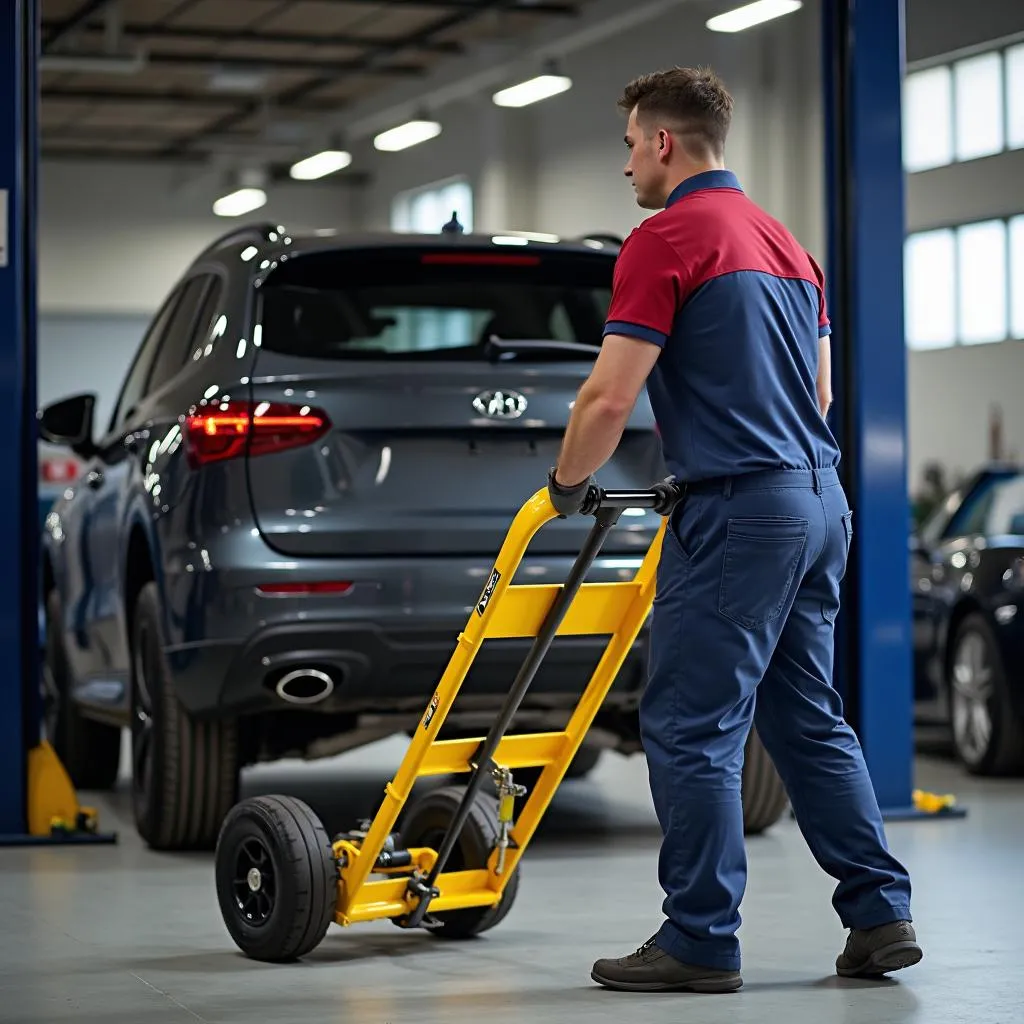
x: 737, y: 307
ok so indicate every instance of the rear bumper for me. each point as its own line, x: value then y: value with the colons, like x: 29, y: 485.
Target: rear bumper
x: 376, y: 670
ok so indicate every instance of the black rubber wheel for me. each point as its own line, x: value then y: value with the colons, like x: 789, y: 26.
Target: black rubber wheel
x: 277, y: 878
x: 90, y: 751
x: 988, y: 735
x: 184, y: 771
x: 425, y: 824
x: 764, y: 796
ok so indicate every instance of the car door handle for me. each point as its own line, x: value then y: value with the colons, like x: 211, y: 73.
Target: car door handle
x: 94, y: 478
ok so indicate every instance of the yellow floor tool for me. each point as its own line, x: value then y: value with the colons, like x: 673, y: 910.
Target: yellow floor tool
x: 281, y: 881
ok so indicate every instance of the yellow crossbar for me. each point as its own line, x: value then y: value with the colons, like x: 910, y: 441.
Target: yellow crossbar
x: 596, y: 610
x: 446, y: 757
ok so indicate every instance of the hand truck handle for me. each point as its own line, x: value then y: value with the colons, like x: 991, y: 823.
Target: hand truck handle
x: 662, y: 498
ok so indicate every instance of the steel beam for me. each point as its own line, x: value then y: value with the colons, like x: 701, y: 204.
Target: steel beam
x: 140, y: 32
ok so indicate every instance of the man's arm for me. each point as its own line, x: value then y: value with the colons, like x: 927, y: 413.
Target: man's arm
x: 824, y: 375
x: 603, y: 406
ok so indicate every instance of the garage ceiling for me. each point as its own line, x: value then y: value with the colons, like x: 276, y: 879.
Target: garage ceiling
x: 182, y: 80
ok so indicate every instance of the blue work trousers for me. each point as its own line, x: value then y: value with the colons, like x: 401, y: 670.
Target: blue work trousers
x: 742, y: 634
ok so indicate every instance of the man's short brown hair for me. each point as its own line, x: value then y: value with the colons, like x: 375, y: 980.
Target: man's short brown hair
x: 693, y: 100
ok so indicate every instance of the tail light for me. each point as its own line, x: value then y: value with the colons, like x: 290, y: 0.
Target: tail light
x: 227, y: 430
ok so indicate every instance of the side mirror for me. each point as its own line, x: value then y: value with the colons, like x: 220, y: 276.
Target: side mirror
x: 69, y: 422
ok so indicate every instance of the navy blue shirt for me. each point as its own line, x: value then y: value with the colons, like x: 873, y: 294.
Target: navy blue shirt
x: 737, y: 307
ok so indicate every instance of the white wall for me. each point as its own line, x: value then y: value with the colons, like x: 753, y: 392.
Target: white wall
x: 952, y: 394
x: 114, y: 238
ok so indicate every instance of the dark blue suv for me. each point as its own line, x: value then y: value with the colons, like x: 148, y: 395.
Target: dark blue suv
x: 313, y: 460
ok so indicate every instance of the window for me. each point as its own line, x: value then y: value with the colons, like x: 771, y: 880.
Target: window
x: 426, y: 210
x: 981, y: 292
x: 1006, y: 511
x: 402, y: 304
x: 930, y: 289
x: 1017, y: 277
x: 170, y: 357
x: 964, y: 110
x: 965, y: 285
x: 134, y: 387
x: 928, y: 119
x: 979, y: 114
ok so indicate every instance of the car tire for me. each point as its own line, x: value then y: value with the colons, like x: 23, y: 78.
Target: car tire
x: 90, y: 751
x: 764, y: 796
x: 185, y: 771
x: 424, y: 825
x: 585, y: 761
x: 988, y: 736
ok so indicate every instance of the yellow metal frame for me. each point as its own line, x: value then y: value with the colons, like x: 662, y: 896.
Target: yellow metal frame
x: 614, y: 609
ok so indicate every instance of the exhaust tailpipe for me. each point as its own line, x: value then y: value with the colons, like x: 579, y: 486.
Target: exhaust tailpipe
x: 304, y: 686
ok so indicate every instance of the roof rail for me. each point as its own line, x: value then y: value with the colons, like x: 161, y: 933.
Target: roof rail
x: 261, y: 231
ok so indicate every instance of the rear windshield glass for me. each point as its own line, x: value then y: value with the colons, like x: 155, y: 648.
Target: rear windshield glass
x: 444, y: 304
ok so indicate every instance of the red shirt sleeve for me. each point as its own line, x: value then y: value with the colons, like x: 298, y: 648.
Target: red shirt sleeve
x: 648, y: 288
x: 824, y: 327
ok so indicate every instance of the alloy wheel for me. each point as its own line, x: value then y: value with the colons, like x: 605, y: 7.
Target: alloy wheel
x: 972, y: 689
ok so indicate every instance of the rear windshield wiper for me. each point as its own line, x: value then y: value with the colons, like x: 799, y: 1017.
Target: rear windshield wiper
x: 509, y: 348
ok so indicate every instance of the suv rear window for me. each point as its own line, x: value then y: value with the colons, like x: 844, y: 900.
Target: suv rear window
x: 448, y: 303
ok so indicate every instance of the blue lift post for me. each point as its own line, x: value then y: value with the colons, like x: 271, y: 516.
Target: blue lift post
x: 863, y: 50
x: 18, y: 607
x: 22, y: 788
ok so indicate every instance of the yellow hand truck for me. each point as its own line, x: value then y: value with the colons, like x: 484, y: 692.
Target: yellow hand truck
x: 452, y: 869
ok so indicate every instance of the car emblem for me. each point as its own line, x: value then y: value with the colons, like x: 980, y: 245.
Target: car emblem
x: 500, y: 405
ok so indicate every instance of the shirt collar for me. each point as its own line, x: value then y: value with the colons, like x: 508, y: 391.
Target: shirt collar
x: 706, y: 179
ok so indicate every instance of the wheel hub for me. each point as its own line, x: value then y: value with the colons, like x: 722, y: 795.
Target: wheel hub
x: 255, y: 879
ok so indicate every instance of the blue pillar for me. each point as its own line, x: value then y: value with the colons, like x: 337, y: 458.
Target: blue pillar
x: 18, y: 516
x: 863, y: 45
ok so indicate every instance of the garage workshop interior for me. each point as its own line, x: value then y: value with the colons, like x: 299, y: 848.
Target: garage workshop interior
x: 328, y: 698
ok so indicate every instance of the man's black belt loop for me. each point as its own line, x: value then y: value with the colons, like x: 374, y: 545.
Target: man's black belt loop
x: 727, y: 489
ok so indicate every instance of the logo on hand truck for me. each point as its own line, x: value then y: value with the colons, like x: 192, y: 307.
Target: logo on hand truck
x: 485, y: 597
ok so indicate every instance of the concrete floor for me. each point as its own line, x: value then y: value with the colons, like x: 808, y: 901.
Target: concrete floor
x: 119, y: 934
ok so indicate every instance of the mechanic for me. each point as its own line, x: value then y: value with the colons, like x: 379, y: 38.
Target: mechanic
x: 721, y: 313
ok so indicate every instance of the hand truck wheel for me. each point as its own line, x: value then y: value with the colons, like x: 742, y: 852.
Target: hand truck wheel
x: 425, y: 824
x: 276, y: 878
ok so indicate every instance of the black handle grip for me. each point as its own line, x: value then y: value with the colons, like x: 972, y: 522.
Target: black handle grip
x: 662, y: 498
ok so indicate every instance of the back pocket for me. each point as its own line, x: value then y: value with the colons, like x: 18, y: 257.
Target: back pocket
x: 762, y: 554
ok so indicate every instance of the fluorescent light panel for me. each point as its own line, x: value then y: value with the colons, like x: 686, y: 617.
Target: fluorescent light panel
x: 235, y: 204
x: 320, y: 165
x: 532, y: 91
x: 412, y: 133
x: 752, y: 14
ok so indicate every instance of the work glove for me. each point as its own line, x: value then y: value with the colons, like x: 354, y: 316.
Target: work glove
x: 567, y: 501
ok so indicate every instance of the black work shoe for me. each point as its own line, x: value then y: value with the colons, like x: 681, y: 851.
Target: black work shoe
x: 651, y: 969
x: 877, y: 951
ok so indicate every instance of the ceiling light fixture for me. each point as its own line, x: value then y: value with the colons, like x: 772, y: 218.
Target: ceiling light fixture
x: 532, y: 91
x: 320, y: 165
x: 240, y: 202
x: 752, y: 14
x: 412, y: 133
